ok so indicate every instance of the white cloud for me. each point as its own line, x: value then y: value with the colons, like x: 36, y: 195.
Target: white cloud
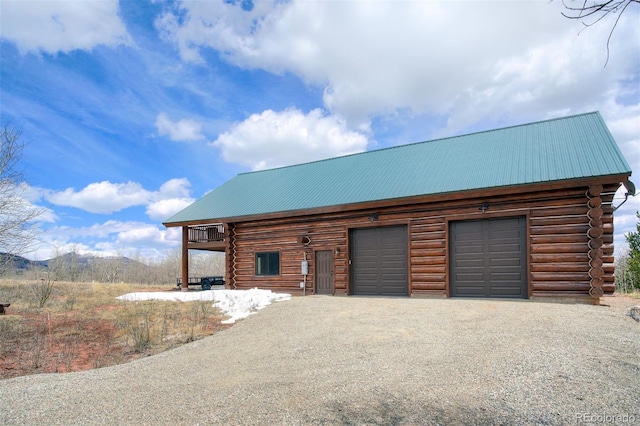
x: 181, y: 131
x: 180, y: 187
x: 102, y: 197
x: 173, y: 196
x: 62, y: 26
x: 145, y: 236
x: 206, y: 22
x: 273, y: 139
x: 47, y: 215
x: 113, y: 237
x: 625, y: 219
x: 106, y: 197
x: 164, y: 209
x: 109, y: 238
x: 25, y: 197
x: 624, y: 124
x: 95, y: 231
x: 436, y: 58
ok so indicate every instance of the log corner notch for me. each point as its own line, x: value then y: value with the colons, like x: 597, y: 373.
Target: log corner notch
x: 595, y: 232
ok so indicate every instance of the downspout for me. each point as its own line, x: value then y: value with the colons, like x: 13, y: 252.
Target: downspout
x: 631, y: 190
x: 304, y: 273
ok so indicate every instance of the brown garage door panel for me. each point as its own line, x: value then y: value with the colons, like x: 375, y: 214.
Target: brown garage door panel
x: 488, y: 258
x: 379, y: 261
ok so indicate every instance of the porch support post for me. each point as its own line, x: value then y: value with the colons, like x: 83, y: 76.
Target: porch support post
x: 185, y: 258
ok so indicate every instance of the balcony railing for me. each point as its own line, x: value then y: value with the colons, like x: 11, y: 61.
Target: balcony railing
x: 206, y: 233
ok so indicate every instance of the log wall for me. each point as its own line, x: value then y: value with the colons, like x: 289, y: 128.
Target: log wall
x: 570, y: 241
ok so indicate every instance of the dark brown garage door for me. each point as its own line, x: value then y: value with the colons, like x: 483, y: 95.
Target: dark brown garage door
x: 379, y: 261
x: 488, y: 258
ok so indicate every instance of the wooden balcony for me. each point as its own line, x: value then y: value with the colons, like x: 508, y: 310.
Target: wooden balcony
x: 206, y: 237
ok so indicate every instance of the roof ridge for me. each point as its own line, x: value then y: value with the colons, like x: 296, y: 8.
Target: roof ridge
x: 422, y: 142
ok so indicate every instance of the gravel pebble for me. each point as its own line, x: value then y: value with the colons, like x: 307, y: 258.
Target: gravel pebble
x: 355, y: 360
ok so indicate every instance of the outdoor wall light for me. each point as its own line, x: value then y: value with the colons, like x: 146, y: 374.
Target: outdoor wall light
x: 337, y: 251
x: 304, y: 240
x: 373, y: 217
x: 484, y: 207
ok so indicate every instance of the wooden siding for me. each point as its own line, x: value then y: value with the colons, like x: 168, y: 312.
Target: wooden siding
x: 560, y: 259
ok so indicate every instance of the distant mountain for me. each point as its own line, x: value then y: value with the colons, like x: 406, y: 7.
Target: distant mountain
x: 86, y: 261
x: 19, y: 262
x: 78, y: 260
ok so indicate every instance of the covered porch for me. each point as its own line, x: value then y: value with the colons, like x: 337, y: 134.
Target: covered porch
x: 209, y: 237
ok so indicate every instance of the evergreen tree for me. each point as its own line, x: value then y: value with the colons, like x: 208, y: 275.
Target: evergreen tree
x: 633, y: 263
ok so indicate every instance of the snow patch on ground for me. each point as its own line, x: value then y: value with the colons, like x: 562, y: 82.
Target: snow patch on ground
x: 237, y: 304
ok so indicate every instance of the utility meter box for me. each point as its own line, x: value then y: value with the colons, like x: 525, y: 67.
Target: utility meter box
x: 305, y: 267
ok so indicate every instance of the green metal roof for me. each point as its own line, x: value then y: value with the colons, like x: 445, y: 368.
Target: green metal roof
x: 560, y: 149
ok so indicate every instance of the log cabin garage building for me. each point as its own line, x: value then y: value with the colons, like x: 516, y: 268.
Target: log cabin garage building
x: 519, y: 212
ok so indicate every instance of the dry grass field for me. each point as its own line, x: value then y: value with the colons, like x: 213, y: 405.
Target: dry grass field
x: 57, y: 327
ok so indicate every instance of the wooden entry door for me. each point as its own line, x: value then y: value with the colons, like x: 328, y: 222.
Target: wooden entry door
x: 324, y: 272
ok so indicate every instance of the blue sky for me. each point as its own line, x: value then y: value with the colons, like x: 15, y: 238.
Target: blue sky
x: 134, y: 109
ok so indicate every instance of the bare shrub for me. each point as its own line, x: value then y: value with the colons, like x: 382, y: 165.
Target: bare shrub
x: 193, y: 321
x: 10, y: 330
x: 165, y: 324
x: 69, y: 352
x: 9, y: 326
x: 37, y: 350
x: 42, y: 291
x: 70, y: 302
x: 102, y: 360
x: 137, y: 326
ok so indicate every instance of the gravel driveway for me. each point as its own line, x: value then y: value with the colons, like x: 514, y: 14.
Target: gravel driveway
x: 335, y: 360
